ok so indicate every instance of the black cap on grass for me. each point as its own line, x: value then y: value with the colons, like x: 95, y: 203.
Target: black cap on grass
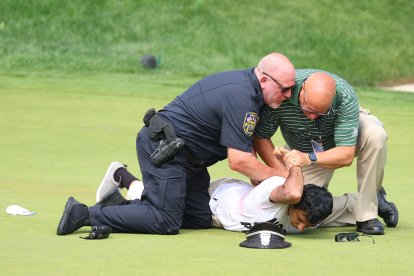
x: 265, y: 235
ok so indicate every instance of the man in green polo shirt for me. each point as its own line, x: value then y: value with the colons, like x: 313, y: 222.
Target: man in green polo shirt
x: 324, y: 129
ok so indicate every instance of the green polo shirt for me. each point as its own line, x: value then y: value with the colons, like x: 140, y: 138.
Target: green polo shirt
x: 339, y: 128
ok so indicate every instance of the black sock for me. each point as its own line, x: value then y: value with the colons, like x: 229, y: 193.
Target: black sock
x: 124, y: 177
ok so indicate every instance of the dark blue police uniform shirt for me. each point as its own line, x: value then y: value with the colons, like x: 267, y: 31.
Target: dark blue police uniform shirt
x: 217, y: 112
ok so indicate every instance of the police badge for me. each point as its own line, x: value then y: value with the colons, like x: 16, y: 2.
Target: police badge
x: 250, y: 121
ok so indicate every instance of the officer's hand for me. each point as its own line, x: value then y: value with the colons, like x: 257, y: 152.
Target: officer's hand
x: 295, y: 158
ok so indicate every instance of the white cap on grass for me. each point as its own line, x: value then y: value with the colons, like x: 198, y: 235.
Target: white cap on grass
x: 17, y: 210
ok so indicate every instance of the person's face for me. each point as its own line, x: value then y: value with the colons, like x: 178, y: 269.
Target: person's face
x: 298, y: 219
x: 311, y: 108
x: 274, y: 92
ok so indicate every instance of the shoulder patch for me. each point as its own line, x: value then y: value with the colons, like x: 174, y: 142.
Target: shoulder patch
x: 250, y: 121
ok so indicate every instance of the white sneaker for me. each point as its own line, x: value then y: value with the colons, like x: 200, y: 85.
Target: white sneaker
x: 108, y: 183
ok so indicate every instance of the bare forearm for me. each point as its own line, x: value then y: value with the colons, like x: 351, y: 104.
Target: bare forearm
x: 331, y: 159
x: 264, y: 148
x: 291, y: 191
x: 336, y: 158
x: 248, y: 165
x: 255, y: 170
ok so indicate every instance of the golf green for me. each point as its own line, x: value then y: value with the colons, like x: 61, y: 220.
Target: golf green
x: 58, y: 135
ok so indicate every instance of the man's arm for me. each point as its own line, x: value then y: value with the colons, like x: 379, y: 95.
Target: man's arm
x: 265, y: 147
x: 337, y: 157
x: 291, y: 191
x: 247, y: 164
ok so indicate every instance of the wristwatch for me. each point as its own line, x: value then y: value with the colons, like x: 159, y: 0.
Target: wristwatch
x: 312, y: 157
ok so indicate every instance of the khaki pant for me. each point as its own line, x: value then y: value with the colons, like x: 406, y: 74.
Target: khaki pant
x: 371, y: 153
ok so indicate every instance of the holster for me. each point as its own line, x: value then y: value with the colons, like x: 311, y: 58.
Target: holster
x: 155, y: 124
x: 170, y: 145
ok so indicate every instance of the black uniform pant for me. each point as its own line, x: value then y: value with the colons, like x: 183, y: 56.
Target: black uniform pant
x: 175, y: 195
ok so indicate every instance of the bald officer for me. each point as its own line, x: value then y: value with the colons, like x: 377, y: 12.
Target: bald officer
x: 216, y: 118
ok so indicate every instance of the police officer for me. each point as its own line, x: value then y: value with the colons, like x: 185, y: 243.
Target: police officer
x: 215, y: 118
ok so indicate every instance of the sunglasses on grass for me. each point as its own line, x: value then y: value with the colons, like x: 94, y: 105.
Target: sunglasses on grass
x: 350, y: 237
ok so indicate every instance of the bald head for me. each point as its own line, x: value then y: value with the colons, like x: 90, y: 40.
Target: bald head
x: 276, y: 75
x: 320, y: 91
x: 278, y: 66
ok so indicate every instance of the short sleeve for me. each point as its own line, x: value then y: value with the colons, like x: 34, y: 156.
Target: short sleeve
x: 347, y: 121
x: 268, y: 122
x: 238, y: 126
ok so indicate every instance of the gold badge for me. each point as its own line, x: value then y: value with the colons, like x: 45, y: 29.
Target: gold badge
x: 250, y: 121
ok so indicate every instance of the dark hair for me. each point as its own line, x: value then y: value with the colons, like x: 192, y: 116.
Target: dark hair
x: 317, y: 203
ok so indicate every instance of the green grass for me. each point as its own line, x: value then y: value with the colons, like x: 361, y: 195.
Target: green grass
x: 365, y: 42
x: 58, y: 137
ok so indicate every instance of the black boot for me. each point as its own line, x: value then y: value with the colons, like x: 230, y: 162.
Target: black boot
x: 370, y: 227
x: 113, y: 198
x: 74, y: 217
x: 387, y: 210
